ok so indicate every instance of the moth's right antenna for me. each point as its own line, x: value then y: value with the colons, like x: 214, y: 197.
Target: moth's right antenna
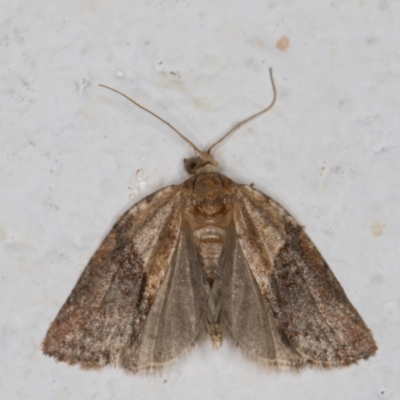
x: 155, y: 115
x: 239, y: 124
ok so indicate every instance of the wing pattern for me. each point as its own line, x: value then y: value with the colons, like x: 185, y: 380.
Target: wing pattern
x: 311, y: 314
x: 112, y: 298
x: 144, y: 297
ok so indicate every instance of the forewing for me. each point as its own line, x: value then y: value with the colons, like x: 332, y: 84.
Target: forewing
x: 176, y: 318
x: 112, y: 298
x: 311, y: 313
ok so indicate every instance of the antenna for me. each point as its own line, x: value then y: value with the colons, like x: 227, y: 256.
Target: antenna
x: 155, y: 115
x: 239, y: 124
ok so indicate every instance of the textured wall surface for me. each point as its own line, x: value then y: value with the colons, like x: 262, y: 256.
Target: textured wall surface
x: 74, y: 156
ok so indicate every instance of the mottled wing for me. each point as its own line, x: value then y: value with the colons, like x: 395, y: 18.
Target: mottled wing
x: 112, y: 299
x: 302, y: 309
x: 176, y: 318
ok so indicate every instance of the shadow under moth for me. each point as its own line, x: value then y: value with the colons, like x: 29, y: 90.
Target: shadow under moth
x: 209, y: 257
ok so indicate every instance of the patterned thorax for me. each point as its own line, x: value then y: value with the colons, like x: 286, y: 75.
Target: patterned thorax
x: 208, y: 204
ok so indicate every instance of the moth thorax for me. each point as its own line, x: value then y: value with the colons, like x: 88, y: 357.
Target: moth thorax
x: 209, y: 194
x: 209, y: 215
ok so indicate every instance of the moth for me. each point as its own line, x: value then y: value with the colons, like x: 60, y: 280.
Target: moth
x: 208, y: 258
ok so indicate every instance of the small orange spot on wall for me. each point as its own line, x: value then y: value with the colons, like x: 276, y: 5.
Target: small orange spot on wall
x: 377, y: 228
x: 283, y: 43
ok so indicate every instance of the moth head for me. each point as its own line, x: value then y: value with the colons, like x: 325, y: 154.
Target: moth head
x: 204, y: 162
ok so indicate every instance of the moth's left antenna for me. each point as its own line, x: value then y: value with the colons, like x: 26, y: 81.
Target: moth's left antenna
x: 155, y: 115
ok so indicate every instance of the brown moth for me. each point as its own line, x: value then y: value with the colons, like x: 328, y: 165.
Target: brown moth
x: 208, y: 257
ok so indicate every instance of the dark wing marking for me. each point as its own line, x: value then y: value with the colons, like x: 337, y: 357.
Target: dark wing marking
x: 112, y: 298
x: 245, y: 317
x: 311, y: 312
x: 176, y: 317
